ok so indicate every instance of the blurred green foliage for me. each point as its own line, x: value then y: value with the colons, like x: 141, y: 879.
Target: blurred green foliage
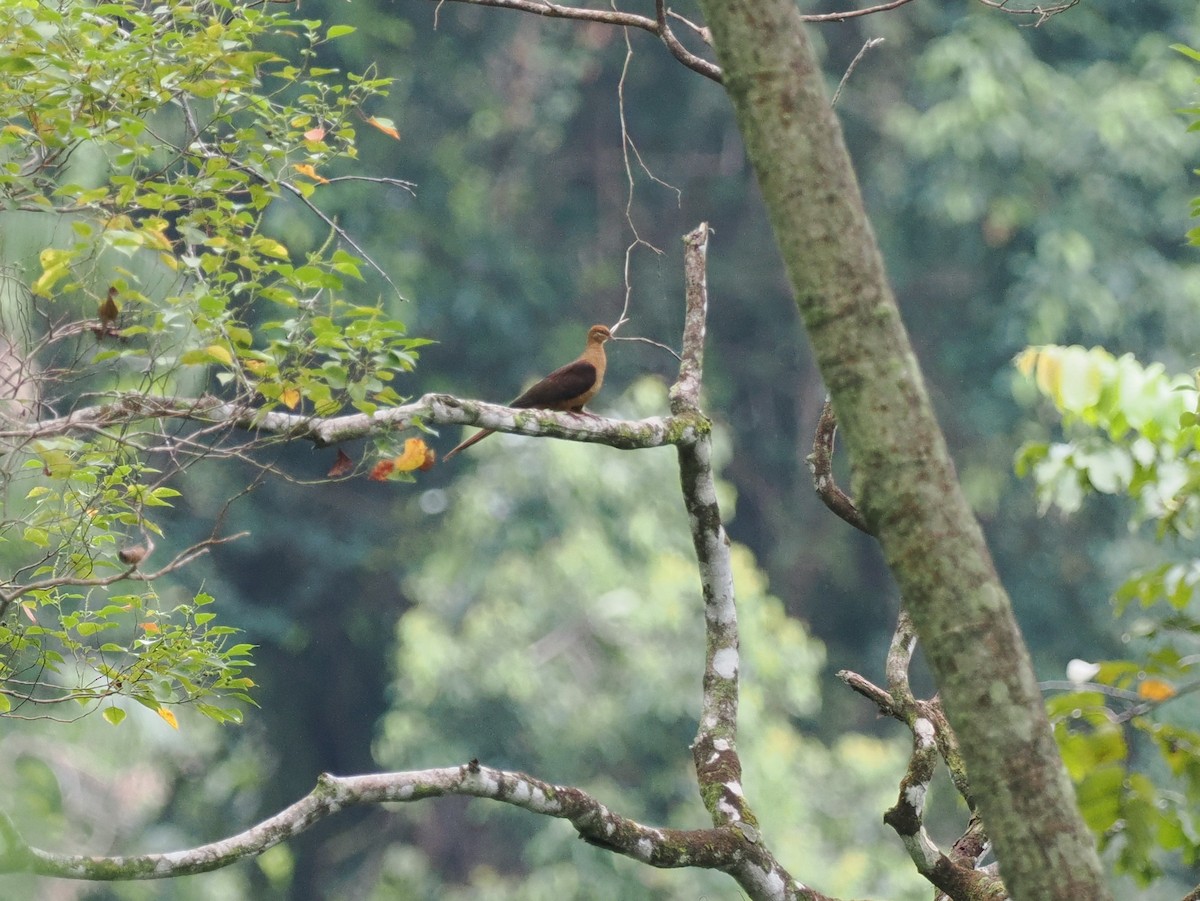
x: 141, y: 150
x: 1126, y: 726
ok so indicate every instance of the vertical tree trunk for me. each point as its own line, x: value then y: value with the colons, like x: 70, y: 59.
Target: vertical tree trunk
x: 905, y: 479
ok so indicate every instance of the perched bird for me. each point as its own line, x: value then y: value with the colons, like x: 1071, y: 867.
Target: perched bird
x: 566, y: 388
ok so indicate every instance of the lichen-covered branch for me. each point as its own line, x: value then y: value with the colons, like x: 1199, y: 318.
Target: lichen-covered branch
x: 956, y: 874
x: 595, y: 823
x: 324, y: 431
x: 714, y: 751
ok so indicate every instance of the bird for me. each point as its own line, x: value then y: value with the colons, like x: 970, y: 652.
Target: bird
x: 569, y: 387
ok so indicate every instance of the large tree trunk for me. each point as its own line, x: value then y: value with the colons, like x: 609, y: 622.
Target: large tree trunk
x: 904, y: 476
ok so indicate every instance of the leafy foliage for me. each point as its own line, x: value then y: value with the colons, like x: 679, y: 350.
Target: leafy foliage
x: 1133, y: 432
x: 149, y: 158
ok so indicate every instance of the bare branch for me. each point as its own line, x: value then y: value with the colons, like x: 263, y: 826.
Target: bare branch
x: 858, y: 57
x: 657, y: 344
x: 820, y: 463
x: 595, y: 823
x: 1042, y: 13
x: 854, y: 13
x: 608, y: 17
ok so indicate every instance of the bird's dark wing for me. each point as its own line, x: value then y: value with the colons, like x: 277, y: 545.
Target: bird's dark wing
x: 559, y: 387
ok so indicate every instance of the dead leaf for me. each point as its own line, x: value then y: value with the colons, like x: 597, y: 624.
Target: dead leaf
x: 290, y: 398
x: 382, y: 470
x: 342, y: 465
x: 386, y: 126
x: 1156, y: 690
x: 413, y: 456
x: 306, y: 169
x: 168, y: 716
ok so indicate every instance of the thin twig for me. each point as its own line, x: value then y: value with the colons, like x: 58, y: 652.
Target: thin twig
x: 655, y: 343
x: 874, y: 42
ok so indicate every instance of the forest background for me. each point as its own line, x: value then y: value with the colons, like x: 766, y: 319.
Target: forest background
x: 410, y: 625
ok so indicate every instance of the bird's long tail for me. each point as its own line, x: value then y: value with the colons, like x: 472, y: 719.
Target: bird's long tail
x: 474, y: 439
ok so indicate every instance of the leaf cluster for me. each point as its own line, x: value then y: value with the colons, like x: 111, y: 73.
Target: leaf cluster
x: 1125, y: 726
x: 156, y: 160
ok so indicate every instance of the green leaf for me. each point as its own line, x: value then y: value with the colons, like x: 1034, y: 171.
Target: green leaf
x: 36, y: 536
x: 113, y: 715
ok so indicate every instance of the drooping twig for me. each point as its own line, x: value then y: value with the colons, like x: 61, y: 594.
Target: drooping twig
x: 820, y: 463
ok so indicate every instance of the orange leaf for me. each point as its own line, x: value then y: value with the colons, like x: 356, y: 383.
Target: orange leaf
x: 168, y: 716
x: 289, y: 397
x: 386, y: 126
x: 1156, y: 690
x: 150, y: 627
x: 342, y: 465
x: 382, y: 470
x: 413, y: 456
x: 430, y: 459
x: 314, y: 134
x: 305, y: 169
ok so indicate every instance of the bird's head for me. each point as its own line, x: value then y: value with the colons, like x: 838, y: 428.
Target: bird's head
x: 598, y: 334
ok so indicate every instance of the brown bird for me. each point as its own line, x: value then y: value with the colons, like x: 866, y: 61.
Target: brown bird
x: 566, y: 388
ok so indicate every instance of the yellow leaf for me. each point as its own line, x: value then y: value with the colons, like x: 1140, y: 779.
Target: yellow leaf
x: 289, y: 397
x: 386, y: 126
x: 1049, y: 374
x: 258, y: 367
x: 1156, y: 690
x: 168, y: 716
x: 217, y: 352
x: 55, y: 266
x: 1026, y: 360
x: 305, y: 169
x: 413, y: 456
x: 271, y: 248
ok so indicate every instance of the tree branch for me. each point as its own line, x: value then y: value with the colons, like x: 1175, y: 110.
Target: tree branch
x: 595, y: 823
x: 657, y: 26
x: 325, y: 431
